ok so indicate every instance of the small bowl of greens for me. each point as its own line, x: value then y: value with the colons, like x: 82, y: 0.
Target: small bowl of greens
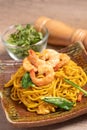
x: 18, y: 39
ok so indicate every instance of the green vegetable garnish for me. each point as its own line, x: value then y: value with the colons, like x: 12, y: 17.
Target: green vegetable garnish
x: 26, y: 81
x: 76, y: 86
x: 23, y: 38
x: 59, y: 101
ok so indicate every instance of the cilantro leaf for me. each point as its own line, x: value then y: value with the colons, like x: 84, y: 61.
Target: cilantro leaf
x: 26, y: 81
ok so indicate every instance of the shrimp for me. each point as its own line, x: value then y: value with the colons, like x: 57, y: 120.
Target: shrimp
x: 64, y: 59
x: 50, y: 56
x: 28, y: 66
x: 34, y: 59
x: 48, y: 75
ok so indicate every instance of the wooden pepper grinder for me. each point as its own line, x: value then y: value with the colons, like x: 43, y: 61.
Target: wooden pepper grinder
x: 60, y: 33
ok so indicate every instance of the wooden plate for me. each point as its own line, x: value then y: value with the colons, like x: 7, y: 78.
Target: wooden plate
x: 17, y: 113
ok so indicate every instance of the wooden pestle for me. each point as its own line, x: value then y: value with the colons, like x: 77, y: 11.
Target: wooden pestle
x: 60, y: 33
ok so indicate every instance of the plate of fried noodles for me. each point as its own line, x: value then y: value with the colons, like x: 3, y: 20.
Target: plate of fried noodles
x: 46, y: 87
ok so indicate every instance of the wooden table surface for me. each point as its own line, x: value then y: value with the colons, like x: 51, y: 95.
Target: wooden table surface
x: 72, y: 12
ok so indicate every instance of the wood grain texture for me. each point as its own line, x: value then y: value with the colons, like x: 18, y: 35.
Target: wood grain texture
x: 72, y: 12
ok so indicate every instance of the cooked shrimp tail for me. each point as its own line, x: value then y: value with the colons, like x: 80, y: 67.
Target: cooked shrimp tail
x: 64, y: 59
x: 33, y: 58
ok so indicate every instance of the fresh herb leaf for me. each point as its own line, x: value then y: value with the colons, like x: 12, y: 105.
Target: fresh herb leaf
x: 26, y: 81
x: 23, y: 38
x: 19, y: 27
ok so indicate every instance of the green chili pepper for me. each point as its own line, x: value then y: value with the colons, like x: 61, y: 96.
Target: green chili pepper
x: 76, y: 86
x: 59, y: 102
x: 26, y: 81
